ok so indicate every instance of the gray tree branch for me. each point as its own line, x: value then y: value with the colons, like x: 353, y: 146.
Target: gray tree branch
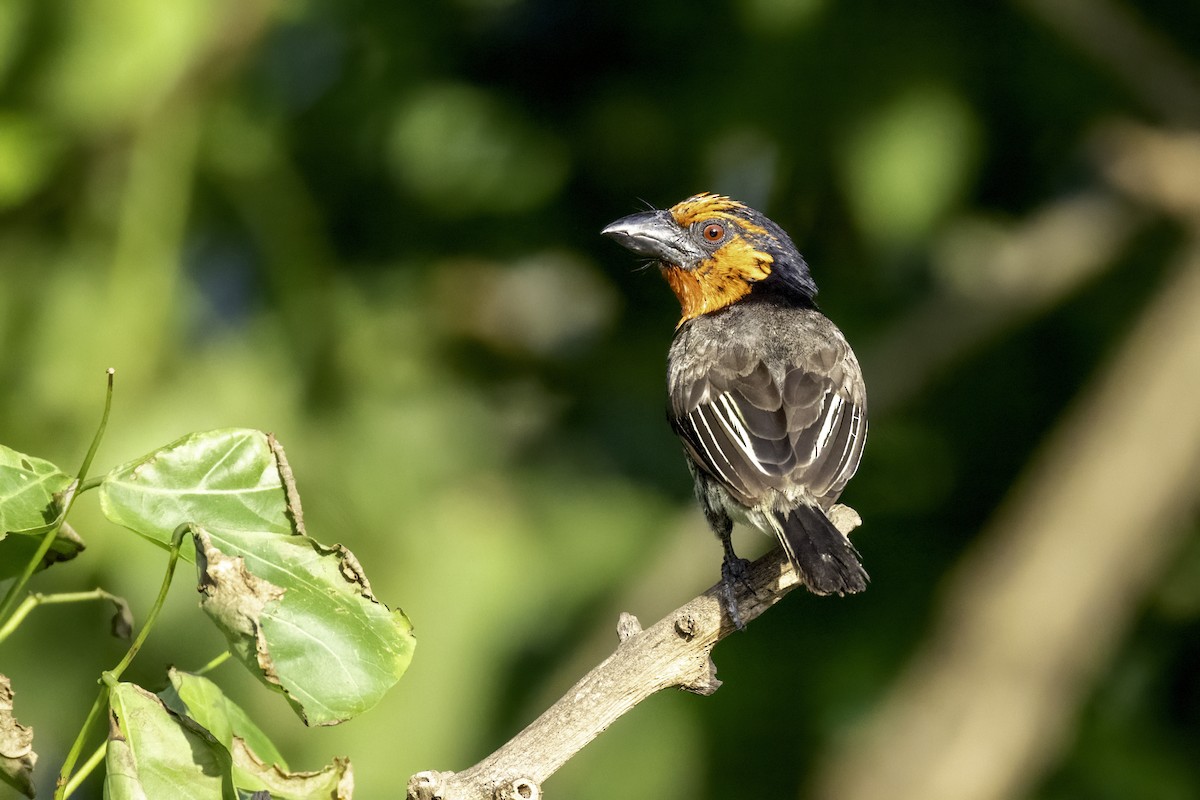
x: 674, y: 652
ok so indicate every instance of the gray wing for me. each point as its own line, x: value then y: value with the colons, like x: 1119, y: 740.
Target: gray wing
x: 800, y: 426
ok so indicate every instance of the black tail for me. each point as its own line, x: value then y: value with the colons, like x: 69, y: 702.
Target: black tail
x: 823, y: 555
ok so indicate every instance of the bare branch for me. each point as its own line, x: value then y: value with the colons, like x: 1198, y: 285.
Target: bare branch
x: 674, y: 652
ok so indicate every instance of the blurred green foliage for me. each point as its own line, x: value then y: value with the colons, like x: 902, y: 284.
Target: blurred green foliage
x: 372, y: 228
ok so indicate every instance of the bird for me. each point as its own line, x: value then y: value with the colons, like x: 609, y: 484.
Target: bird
x: 764, y: 391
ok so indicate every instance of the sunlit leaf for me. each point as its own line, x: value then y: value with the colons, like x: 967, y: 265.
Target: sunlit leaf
x: 223, y: 479
x: 27, y: 489
x: 16, y: 745
x: 302, y: 617
x: 154, y: 752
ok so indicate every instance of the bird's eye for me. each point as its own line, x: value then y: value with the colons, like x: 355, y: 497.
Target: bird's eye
x: 714, y: 231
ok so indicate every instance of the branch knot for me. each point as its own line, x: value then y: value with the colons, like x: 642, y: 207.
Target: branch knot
x: 686, y: 627
x: 518, y: 789
x: 628, y: 626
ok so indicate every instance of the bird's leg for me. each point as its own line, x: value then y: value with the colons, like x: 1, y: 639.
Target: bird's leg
x: 734, y: 570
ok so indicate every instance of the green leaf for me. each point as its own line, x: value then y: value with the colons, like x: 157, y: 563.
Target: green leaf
x: 257, y: 764
x: 302, y: 617
x: 222, y: 479
x: 335, y: 782
x: 154, y: 752
x: 27, y: 489
x: 16, y: 745
x: 15, y: 551
x: 203, y: 701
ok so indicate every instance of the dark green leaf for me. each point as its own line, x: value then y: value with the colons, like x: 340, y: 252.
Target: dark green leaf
x: 302, y: 617
x: 15, y: 551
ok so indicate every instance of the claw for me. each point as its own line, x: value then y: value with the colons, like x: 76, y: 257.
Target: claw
x: 734, y: 571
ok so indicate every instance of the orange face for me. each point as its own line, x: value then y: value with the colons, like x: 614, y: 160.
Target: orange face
x: 726, y: 275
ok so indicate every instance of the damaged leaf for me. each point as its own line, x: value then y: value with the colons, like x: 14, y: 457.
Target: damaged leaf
x: 154, y: 752
x: 16, y: 745
x: 335, y: 782
x: 223, y: 479
x: 28, y: 487
x: 121, y: 625
x: 203, y: 701
x: 257, y: 764
x: 302, y: 617
x: 31, y: 503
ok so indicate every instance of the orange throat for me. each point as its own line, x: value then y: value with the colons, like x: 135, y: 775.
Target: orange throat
x: 699, y: 294
x: 718, y: 282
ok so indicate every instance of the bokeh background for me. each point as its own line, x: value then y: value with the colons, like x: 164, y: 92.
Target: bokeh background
x: 372, y: 228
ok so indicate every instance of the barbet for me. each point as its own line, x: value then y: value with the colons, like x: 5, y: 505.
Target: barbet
x: 765, y: 393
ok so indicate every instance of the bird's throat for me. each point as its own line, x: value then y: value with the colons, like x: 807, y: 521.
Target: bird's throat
x: 719, y: 281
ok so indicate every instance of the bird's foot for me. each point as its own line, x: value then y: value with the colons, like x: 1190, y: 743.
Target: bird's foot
x: 735, y: 572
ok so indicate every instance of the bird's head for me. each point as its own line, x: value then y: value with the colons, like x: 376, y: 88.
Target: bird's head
x: 714, y: 251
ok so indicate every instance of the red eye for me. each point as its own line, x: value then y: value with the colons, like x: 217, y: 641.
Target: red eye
x: 714, y: 231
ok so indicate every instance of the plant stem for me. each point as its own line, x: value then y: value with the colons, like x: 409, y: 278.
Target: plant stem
x: 152, y: 617
x: 60, y: 788
x: 18, y: 585
x: 68, y: 500
x: 110, y: 677
x: 88, y: 768
x: 91, y: 453
x: 216, y: 662
x: 34, y: 600
x: 90, y: 483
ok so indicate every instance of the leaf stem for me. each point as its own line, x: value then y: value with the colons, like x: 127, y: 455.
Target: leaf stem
x: 60, y: 788
x: 69, y: 496
x: 110, y: 677
x: 91, y: 453
x: 90, y: 483
x: 211, y: 665
x: 34, y: 600
x: 152, y: 617
x: 88, y: 768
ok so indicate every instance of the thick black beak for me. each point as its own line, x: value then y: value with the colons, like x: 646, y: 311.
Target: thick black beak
x: 655, y: 234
